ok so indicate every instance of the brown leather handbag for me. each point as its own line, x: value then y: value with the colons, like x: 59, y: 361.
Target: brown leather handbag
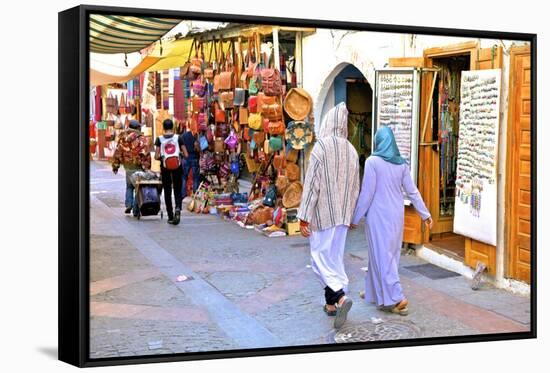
x: 226, y: 80
x: 273, y: 112
x: 276, y: 128
x: 184, y: 70
x: 265, y: 100
x: 271, y: 82
x: 216, y: 87
x: 265, y: 124
x: 210, y: 71
x: 246, y: 134
x: 219, y: 115
x: 221, y: 63
x: 259, y: 137
x: 197, y: 61
x: 243, y: 115
x: 219, y: 145
x: 279, y: 161
x: 227, y: 99
x: 197, y: 104
x: 249, y: 62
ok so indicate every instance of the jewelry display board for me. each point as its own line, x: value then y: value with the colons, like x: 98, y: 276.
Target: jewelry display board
x: 396, y: 104
x: 476, y: 181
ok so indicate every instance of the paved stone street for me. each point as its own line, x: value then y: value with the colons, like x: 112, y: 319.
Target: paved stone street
x: 251, y: 291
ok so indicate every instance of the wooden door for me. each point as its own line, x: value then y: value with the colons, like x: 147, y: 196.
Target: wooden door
x: 518, y: 166
x: 476, y: 251
x: 412, y: 225
x: 429, y: 154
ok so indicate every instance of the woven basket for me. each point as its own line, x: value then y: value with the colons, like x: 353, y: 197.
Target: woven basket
x: 293, y: 195
x: 281, y: 183
x: 298, y: 103
x: 261, y: 215
x: 292, y: 171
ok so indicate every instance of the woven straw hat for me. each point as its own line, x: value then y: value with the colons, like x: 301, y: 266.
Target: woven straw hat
x: 298, y: 103
x: 293, y: 195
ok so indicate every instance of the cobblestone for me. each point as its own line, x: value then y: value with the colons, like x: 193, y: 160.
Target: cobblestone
x: 265, y: 278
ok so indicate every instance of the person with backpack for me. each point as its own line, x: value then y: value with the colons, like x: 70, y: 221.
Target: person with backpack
x: 191, y: 162
x: 168, y: 149
x: 132, y: 152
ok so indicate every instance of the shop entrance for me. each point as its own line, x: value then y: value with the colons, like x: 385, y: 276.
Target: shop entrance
x: 359, y: 104
x: 445, y: 129
x: 350, y: 86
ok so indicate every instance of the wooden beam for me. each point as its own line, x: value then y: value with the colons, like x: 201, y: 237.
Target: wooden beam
x: 428, y: 111
x: 461, y: 48
x: 298, y: 64
x: 276, y: 56
x: 247, y: 31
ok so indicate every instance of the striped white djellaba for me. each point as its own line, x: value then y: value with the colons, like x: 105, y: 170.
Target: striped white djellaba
x: 331, y: 185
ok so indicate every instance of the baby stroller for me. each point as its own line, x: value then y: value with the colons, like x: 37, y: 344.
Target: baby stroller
x: 148, y: 190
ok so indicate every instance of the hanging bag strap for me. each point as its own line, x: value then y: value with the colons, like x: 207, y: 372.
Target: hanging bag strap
x: 190, y: 50
x: 222, y: 56
x: 210, y: 56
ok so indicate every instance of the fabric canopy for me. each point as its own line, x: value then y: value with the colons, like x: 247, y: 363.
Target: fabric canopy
x: 171, y: 54
x: 122, y: 34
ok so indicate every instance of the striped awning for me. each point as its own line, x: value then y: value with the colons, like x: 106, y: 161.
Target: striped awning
x: 121, y: 34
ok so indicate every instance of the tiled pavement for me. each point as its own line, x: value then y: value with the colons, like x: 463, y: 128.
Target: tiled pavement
x: 248, y: 290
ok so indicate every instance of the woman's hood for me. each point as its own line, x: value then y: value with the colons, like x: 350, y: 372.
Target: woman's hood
x: 335, y: 122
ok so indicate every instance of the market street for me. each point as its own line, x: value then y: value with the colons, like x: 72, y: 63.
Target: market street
x: 244, y: 290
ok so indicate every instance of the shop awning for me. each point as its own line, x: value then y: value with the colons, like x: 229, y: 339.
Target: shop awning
x: 174, y: 53
x: 171, y: 54
x: 122, y: 34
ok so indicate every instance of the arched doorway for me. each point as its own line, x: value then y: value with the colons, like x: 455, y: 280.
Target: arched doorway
x: 346, y: 83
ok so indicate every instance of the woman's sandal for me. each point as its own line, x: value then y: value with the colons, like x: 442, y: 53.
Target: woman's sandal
x: 328, y: 312
x: 401, y: 308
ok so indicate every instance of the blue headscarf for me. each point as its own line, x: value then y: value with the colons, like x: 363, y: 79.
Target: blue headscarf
x: 385, y: 146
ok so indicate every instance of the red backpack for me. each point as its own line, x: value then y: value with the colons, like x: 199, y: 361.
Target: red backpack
x: 170, y: 152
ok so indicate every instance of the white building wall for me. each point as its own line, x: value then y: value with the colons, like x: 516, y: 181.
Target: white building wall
x: 326, y: 52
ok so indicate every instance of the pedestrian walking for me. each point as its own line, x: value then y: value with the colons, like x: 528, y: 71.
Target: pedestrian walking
x: 168, y: 148
x: 133, y: 153
x: 381, y: 202
x: 191, y: 162
x: 331, y: 188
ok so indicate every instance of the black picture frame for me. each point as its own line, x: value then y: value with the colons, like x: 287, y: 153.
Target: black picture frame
x: 73, y: 249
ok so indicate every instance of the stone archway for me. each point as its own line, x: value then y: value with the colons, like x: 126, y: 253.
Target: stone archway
x: 324, y: 95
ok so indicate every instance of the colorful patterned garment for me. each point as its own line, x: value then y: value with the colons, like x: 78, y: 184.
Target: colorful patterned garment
x: 179, y: 100
x: 158, y: 89
x: 132, y: 151
x: 165, y: 89
x: 331, y: 186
